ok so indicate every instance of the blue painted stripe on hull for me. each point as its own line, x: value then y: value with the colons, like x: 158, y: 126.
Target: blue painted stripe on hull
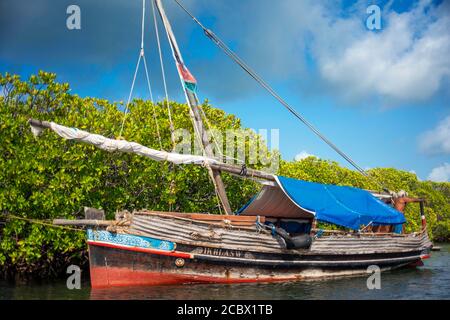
x: 130, y: 240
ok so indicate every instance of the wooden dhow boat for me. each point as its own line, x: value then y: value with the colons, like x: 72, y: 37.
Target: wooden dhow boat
x: 272, y: 238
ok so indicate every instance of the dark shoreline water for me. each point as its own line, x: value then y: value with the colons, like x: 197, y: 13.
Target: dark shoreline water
x: 431, y: 281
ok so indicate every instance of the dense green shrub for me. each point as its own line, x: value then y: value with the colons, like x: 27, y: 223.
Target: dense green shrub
x: 437, y: 195
x: 48, y: 177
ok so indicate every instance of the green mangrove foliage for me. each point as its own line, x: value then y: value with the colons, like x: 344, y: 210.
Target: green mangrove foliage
x: 48, y: 177
x: 437, y: 195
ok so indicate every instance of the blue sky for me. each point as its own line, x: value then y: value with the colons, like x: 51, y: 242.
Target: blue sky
x: 382, y: 96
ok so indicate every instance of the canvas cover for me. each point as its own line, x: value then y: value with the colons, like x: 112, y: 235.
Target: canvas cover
x: 344, y: 206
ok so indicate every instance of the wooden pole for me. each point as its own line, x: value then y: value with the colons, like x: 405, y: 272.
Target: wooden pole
x: 236, y: 170
x: 83, y: 222
x: 39, y: 123
x: 192, y: 101
x: 215, y: 173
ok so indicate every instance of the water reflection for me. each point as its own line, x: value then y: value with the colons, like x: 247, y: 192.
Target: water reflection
x: 429, y: 282
x: 405, y: 284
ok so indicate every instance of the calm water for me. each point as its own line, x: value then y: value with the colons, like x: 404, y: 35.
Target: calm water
x: 431, y: 281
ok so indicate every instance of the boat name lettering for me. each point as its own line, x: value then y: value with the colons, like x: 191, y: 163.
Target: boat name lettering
x: 222, y: 252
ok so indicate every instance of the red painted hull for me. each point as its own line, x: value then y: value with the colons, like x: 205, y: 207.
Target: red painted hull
x: 114, y: 265
x: 124, y: 266
x: 122, y: 277
x: 125, y: 272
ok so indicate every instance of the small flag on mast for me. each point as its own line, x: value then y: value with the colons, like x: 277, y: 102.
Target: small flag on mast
x: 189, y: 81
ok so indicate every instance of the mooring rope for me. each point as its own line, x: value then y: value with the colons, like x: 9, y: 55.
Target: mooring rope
x: 40, y: 222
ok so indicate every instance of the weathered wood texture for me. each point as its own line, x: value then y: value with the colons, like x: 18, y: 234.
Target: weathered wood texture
x: 233, y: 220
x: 367, y: 243
x: 214, y: 234
x: 94, y: 214
x: 83, y: 222
x: 201, y: 233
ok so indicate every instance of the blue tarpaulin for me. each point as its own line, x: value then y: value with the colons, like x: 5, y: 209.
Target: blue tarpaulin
x: 345, y: 206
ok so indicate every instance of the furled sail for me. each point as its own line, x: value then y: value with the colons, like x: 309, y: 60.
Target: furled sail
x: 349, y: 207
x: 132, y: 147
x: 111, y: 145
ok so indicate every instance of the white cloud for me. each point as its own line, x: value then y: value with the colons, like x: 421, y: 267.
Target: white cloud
x: 406, y: 61
x: 437, y: 140
x: 310, y: 45
x: 440, y: 174
x: 415, y: 173
x: 313, y: 44
x: 303, y: 155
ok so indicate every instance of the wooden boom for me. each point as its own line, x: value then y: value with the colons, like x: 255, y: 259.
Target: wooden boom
x: 226, y: 167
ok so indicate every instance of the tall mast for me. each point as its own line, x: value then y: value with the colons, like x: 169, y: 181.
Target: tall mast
x: 189, y: 84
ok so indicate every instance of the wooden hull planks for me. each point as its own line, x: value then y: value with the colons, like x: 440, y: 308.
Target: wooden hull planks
x: 181, y: 231
x: 125, y: 259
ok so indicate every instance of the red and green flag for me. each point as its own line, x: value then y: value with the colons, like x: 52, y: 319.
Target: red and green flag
x: 189, y: 81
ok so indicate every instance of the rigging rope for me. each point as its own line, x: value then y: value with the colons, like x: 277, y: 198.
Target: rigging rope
x: 142, y: 56
x: 219, y: 150
x: 197, y: 132
x: 40, y: 222
x: 268, y: 88
x: 208, y: 167
x: 192, y: 102
x: 131, y: 93
x: 143, y: 24
x: 153, y: 103
x: 172, y: 136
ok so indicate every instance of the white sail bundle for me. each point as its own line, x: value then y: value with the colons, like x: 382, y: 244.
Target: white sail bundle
x: 112, y: 145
